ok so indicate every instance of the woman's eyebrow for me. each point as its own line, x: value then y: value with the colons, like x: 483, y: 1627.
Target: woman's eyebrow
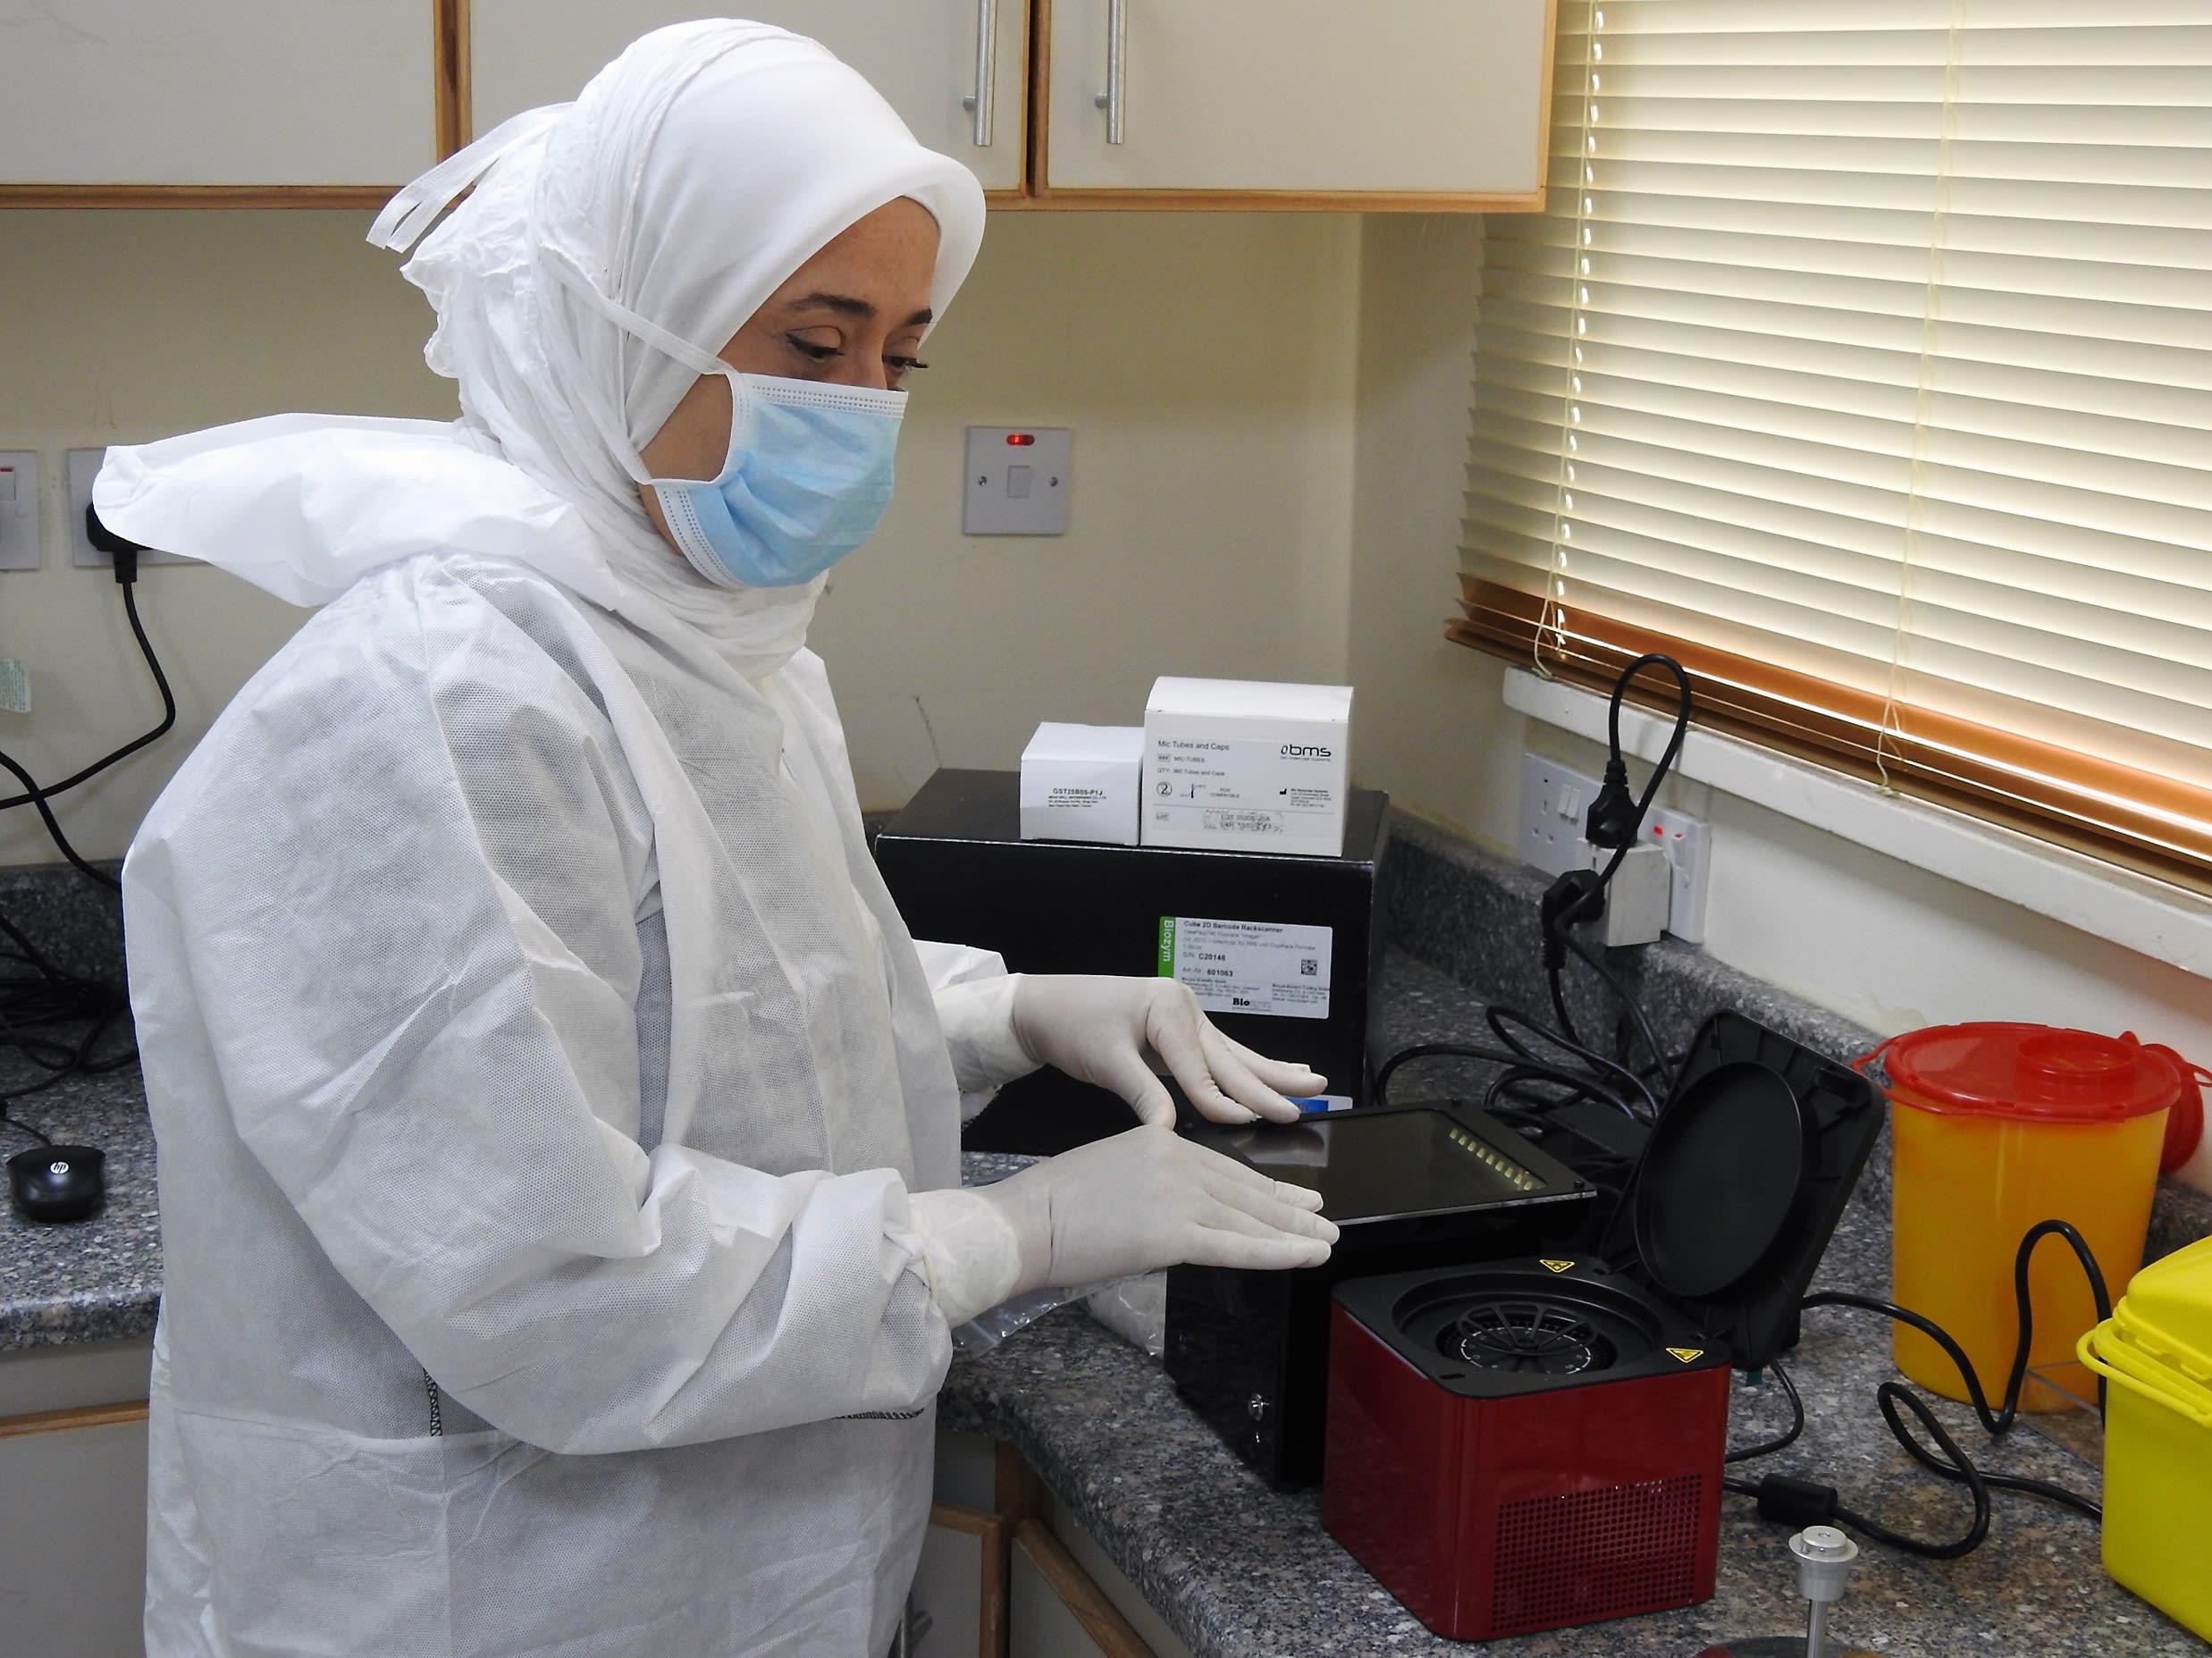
x: 847, y: 305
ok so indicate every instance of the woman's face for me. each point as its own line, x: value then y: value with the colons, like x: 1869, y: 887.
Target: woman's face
x: 852, y: 315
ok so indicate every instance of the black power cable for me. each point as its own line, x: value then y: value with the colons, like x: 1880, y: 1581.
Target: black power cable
x: 1789, y: 1435
x: 35, y: 1002
x: 125, y: 555
x: 1616, y: 820
x: 1799, y: 1501
x: 1543, y: 1067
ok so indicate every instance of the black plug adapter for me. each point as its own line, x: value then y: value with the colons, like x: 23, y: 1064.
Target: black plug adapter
x: 1575, y: 897
x: 120, y: 549
x: 1611, y: 819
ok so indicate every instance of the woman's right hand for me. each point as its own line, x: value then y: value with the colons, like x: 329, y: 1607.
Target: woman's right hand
x: 1144, y: 1199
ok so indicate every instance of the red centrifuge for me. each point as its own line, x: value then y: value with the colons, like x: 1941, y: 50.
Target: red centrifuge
x: 1531, y: 1443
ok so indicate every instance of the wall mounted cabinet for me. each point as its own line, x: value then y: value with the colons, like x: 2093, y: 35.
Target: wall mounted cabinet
x: 1427, y: 104
x: 300, y: 101
x: 956, y: 71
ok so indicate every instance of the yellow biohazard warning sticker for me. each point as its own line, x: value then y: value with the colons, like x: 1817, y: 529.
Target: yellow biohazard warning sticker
x: 1558, y: 1265
x: 1687, y: 1355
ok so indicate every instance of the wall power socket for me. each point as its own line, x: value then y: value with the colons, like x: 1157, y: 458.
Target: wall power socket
x: 1554, y: 800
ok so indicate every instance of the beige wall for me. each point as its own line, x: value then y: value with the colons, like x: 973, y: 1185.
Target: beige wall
x: 124, y: 326
x: 1429, y: 726
x: 1206, y: 362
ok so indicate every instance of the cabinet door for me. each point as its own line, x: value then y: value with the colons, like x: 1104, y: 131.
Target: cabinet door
x: 1054, y: 1612
x: 72, y: 1508
x: 1418, y: 98
x: 216, y: 92
x: 958, y: 1600
x: 921, y: 55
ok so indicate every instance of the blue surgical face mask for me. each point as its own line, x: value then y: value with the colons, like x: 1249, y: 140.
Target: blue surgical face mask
x: 806, y: 481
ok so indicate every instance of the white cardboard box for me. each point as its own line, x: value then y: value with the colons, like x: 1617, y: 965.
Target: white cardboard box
x: 1081, y: 782
x: 1242, y: 765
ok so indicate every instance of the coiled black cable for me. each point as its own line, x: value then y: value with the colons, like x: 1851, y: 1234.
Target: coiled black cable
x: 34, y: 791
x: 1799, y: 1501
x: 2000, y: 1420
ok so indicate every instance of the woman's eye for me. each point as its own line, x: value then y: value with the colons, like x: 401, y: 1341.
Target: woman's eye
x: 903, y: 364
x: 809, y: 350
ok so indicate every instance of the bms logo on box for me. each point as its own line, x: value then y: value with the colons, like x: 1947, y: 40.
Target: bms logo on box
x: 1307, y: 751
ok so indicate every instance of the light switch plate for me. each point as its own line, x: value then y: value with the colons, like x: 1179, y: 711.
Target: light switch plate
x: 1017, y: 481
x: 18, y: 509
x: 84, y: 465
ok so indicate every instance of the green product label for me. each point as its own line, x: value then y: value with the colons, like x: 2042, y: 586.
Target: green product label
x: 1167, y: 946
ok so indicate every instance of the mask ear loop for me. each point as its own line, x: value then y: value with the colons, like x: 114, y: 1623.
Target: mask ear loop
x: 408, y: 215
x: 571, y: 276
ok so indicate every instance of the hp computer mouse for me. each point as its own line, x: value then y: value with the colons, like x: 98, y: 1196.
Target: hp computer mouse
x: 57, y: 1182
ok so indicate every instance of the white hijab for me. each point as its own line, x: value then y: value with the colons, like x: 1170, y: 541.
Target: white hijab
x: 685, y: 185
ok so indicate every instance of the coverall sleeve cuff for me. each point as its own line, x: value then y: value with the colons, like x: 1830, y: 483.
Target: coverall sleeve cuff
x: 978, y: 1021
x: 970, y: 1250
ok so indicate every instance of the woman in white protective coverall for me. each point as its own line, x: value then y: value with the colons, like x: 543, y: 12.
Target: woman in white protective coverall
x: 558, y: 1127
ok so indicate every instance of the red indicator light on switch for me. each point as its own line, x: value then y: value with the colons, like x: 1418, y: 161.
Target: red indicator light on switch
x: 1021, y: 440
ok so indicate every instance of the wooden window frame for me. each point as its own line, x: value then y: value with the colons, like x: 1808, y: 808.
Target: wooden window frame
x: 2078, y: 801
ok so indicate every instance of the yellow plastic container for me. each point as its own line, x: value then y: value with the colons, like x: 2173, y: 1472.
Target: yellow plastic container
x: 1995, y: 1128
x: 2155, y: 1354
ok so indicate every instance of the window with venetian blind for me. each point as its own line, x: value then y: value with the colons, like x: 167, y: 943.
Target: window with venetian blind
x: 1864, y: 359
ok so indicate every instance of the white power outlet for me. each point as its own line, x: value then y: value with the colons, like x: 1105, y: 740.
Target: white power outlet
x: 84, y: 465
x: 1554, y: 801
x: 1688, y: 845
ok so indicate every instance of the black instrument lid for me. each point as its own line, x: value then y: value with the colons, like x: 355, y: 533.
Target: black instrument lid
x: 1719, y: 1178
x: 1745, y: 1177
x: 1396, y: 1162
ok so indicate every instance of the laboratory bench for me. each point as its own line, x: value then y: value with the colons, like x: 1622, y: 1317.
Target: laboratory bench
x: 1074, y: 1443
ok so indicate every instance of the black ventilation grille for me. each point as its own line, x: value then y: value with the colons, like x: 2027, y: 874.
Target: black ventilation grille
x: 1593, y: 1554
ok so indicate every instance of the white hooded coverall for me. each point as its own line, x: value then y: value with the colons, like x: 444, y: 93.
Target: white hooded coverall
x: 546, y: 1090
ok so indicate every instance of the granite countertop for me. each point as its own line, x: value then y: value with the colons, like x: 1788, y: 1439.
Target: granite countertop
x: 1240, y: 1571
x: 97, y: 1279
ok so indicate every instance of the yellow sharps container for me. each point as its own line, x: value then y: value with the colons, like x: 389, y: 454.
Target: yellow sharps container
x: 1997, y: 1127
x: 2156, y: 1355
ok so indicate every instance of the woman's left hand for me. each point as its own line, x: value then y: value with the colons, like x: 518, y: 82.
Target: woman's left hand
x: 1116, y: 1033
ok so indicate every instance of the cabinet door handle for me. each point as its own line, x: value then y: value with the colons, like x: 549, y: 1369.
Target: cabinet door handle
x: 985, y: 102
x: 1115, y: 99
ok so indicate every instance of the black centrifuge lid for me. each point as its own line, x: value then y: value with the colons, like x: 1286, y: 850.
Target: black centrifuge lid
x: 1745, y: 1177
x: 1718, y: 1178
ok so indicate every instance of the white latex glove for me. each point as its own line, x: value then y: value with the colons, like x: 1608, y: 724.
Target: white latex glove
x: 1146, y: 1199
x: 1115, y: 1032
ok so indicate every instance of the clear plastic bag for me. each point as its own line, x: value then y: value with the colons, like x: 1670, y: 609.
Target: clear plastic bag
x: 986, y: 1330
x: 1134, y: 1309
